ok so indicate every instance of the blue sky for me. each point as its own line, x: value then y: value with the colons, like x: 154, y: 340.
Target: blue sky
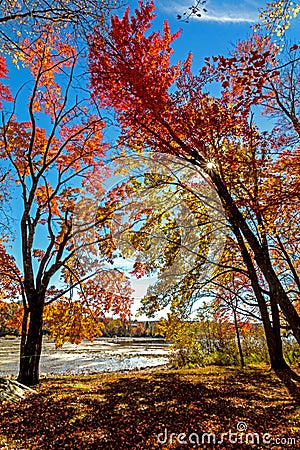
x: 218, y: 11
x: 216, y: 32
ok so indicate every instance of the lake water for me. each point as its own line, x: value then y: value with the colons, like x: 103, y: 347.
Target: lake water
x: 102, y: 355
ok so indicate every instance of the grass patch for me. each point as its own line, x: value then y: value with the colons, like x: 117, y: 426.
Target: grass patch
x: 129, y: 410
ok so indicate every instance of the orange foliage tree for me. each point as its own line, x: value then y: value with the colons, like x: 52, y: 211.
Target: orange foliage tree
x: 55, y: 156
x: 163, y: 107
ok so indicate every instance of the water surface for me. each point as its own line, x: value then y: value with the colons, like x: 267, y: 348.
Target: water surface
x: 102, y: 355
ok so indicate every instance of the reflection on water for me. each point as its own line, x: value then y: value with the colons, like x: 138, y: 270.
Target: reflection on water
x: 102, y: 355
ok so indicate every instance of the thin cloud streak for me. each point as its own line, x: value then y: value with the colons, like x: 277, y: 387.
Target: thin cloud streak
x: 228, y: 11
x: 227, y: 19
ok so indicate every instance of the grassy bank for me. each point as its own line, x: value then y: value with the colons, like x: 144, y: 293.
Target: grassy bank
x: 129, y: 411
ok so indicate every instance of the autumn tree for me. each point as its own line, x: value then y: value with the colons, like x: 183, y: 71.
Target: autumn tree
x: 165, y: 108
x: 21, y: 18
x: 173, y: 227
x: 54, y: 152
x: 276, y: 16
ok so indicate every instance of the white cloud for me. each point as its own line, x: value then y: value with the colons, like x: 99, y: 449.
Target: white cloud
x: 230, y: 18
x: 222, y: 11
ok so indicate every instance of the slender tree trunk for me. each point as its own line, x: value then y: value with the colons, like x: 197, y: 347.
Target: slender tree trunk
x: 24, y: 328
x: 262, y: 258
x: 271, y: 328
x: 289, y: 262
x: 278, y: 295
x: 31, y: 346
x: 274, y: 344
x: 238, y: 338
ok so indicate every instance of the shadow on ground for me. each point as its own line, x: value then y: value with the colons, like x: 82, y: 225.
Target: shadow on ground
x: 141, y: 410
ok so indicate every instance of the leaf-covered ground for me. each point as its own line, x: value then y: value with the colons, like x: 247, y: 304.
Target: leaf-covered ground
x: 141, y: 410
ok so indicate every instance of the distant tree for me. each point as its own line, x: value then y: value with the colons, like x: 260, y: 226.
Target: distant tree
x: 8, y: 311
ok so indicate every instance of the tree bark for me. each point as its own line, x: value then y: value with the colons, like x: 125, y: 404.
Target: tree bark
x: 31, y: 346
x: 238, y: 338
x: 271, y: 323
x: 261, y: 255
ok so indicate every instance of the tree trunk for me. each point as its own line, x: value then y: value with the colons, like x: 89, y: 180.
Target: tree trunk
x: 31, y: 347
x: 278, y: 295
x: 275, y: 350
x: 238, y: 338
x: 271, y: 328
x: 261, y: 255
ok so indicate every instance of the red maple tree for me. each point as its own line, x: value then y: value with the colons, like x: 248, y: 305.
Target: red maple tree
x: 163, y: 107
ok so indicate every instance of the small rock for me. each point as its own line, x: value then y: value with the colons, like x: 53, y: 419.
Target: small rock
x: 12, y: 391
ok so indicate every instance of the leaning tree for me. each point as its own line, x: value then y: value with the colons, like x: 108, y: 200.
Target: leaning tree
x: 166, y: 108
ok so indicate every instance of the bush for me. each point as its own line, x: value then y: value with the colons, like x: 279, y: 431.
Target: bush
x: 291, y: 350
x: 186, y: 351
x: 218, y: 358
x: 183, y: 356
x: 211, y: 342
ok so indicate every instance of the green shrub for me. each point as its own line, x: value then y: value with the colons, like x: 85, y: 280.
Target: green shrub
x: 218, y: 358
x: 291, y: 350
x: 183, y: 356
